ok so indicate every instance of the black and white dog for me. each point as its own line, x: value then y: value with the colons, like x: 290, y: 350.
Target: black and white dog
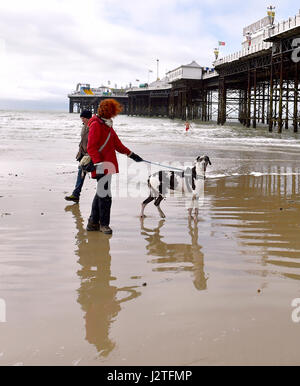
x: 189, y: 182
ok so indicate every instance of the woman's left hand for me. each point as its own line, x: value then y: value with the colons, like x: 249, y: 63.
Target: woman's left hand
x: 136, y: 157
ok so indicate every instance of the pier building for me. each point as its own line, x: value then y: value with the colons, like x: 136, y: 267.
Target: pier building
x: 257, y: 85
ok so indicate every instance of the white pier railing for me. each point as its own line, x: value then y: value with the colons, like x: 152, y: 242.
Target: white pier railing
x: 244, y: 52
x: 284, y: 26
x: 209, y: 75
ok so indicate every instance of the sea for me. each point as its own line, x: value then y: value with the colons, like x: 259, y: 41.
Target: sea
x: 34, y: 126
x: 222, y: 289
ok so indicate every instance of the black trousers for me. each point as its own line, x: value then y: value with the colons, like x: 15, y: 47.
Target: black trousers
x: 102, y: 201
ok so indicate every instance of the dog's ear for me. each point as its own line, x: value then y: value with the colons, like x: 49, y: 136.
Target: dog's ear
x: 199, y: 158
x: 207, y: 159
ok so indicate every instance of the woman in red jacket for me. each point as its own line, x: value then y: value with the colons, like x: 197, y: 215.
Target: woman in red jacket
x: 103, y: 142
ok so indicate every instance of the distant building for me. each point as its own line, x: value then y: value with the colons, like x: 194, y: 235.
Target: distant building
x: 87, y: 98
x: 187, y: 71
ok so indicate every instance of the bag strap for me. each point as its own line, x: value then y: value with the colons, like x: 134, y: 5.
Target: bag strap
x: 107, y: 139
x: 103, y: 146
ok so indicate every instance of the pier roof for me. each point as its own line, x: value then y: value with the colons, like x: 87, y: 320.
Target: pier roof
x: 161, y: 84
x: 193, y: 64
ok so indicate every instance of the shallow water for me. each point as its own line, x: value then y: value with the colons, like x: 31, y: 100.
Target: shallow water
x: 160, y: 292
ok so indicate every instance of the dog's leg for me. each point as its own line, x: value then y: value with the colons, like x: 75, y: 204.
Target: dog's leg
x: 189, y: 204
x: 196, y: 214
x: 157, y: 203
x: 146, y: 202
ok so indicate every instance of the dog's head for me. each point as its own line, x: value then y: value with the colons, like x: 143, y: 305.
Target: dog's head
x: 202, y: 162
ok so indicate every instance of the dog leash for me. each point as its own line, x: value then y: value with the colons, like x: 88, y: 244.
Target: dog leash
x: 164, y: 166
x: 179, y: 170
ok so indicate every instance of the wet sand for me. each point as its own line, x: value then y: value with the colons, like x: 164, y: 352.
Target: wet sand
x: 158, y: 292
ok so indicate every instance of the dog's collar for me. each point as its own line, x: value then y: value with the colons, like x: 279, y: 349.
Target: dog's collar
x: 197, y: 176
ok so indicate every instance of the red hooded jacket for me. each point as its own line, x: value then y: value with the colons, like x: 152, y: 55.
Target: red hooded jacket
x: 98, y: 133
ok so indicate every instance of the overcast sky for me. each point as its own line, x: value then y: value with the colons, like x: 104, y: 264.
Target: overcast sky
x: 47, y: 47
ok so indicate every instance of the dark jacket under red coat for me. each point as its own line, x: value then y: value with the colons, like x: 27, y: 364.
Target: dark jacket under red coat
x: 98, y: 132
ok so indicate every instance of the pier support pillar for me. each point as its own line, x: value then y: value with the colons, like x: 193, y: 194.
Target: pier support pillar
x: 287, y: 105
x: 150, y: 107
x: 296, y: 85
x: 245, y: 104
x: 280, y: 121
x: 248, y: 119
x: 183, y: 112
x: 263, y: 103
x: 259, y: 102
x: 171, y: 105
x: 271, y: 98
x: 222, y: 102
x: 71, y: 106
x: 241, y: 106
x: 189, y: 104
x: 254, y: 99
x: 204, y: 105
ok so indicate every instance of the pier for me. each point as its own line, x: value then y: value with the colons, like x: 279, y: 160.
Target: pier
x: 258, y: 84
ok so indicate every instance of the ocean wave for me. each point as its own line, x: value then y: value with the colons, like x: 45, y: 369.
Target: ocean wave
x: 29, y: 125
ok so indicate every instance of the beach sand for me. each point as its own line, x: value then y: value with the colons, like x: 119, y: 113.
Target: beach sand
x: 156, y: 292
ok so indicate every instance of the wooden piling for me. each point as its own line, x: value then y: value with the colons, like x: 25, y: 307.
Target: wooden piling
x: 271, y: 98
x: 287, y: 106
x: 263, y: 103
x: 248, y: 120
x: 296, y: 85
x: 280, y: 121
x: 254, y: 98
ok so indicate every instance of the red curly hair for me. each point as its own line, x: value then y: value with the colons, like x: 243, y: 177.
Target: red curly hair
x: 109, y: 108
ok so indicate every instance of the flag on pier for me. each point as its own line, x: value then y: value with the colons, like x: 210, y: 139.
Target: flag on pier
x: 221, y: 43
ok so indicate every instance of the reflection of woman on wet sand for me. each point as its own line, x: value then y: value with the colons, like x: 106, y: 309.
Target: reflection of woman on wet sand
x: 98, y: 298
x: 176, y: 253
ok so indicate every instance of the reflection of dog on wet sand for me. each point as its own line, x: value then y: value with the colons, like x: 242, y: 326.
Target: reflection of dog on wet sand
x: 169, y: 255
x: 98, y: 297
x: 189, y: 182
